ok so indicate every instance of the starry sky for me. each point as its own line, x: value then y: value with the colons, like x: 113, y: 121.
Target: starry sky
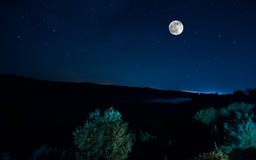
x: 127, y: 42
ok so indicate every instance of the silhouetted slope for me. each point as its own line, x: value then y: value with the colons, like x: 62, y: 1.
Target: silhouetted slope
x: 16, y: 85
x: 36, y: 112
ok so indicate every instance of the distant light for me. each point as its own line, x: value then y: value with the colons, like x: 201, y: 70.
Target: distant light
x: 205, y: 92
x: 189, y: 91
x: 213, y: 92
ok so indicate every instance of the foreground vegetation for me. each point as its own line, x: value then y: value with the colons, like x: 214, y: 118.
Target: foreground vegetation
x: 105, y: 135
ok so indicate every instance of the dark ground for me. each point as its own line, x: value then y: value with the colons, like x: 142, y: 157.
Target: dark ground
x: 35, y: 113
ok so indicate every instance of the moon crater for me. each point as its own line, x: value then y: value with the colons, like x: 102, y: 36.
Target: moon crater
x: 176, y: 27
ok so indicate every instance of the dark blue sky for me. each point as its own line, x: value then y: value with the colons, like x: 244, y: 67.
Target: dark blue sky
x: 127, y: 42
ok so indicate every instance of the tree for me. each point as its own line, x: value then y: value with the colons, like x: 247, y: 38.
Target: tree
x: 103, y: 137
x: 206, y: 116
x: 236, y: 123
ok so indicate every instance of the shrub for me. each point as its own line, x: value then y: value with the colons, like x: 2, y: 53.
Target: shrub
x: 235, y: 123
x: 145, y: 136
x: 214, y: 155
x: 103, y: 137
x: 49, y: 153
x: 206, y: 116
x: 240, y: 135
x: 243, y: 108
x: 5, y: 156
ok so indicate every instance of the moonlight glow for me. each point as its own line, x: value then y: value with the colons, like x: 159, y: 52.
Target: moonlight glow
x: 176, y: 27
x: 168, y: 45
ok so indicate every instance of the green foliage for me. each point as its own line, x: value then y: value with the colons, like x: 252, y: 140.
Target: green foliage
x: 228, y: 148
x: 242, y: 108
x: 236, y: 121
x: 209, y: 115
x: 103, y: 137
x: 49, y: 153
x: 214, y: 155
x: 206, y: 116
x: 145, y: 136
x: 239, y: 129
x: 240, y: 135
x: 5, y: 156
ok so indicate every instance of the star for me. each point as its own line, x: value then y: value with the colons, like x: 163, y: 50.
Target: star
x: 137, y: 66
x: 156, y: 3
x: 195, y: 32
x: 19, y: 37
x: 197, y: 70
x: 45, y: 43
x: 96, y: 35
x: 235, y: 3
x: 234, y: 42
x: 221, y: 62
x: 68, y: 53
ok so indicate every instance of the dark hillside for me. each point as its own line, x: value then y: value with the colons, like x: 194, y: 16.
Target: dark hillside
x: 36, y: 112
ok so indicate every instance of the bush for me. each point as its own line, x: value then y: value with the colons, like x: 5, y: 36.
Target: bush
x: 49, y: 153
x: 243, y: 108
x: 206, y: 116
x: 240, y: 135
x: 5, y: 156
x: 209, y: 116
x: 103, y: 137
x: 145, y: 136
x: 214, y: 155
x: 235, y: 123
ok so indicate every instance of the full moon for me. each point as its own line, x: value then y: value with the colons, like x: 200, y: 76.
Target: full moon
x: 176, y: 27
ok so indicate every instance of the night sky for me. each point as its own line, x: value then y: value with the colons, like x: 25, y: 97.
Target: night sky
x: 127, y: 42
